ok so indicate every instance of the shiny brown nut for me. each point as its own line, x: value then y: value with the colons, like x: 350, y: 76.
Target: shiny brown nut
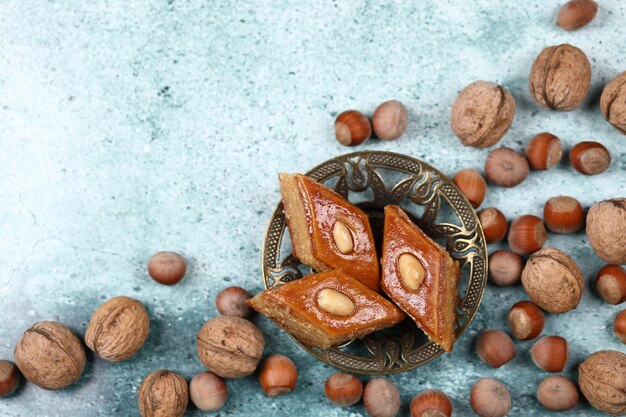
x: 590, y: 158
x: 472, y: 185
x: 9, y: 378
x: 163, y: 393
x: 563, y: 214
x: 557, y: 393
x: 575, y: 14
x: 613, y: 102
x: 208, y: 391
x: 352, y: 128
x: 231, y: 301
x: 544, y: 151
x: 390, y: 120
x: 167, y: 268
x: 527, y: 234
x: 505, y: 268
x: 506, y: 168
x: 494, y: 224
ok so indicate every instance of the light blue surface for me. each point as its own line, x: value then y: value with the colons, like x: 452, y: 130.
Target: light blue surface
x: 132, y: 127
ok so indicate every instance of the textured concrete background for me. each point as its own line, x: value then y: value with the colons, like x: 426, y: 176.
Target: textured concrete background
x: 132, y: 127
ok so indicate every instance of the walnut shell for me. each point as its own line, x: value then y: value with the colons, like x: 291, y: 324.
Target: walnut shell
x: 482, y: 114
x: 560, y: 77
x: 602, y: 380
x: 163, y: 394
x: 553, y: 281
x: 118, y: 329
x: 50, y: 355
x: 613, y: 102
x: 606, y: 230
x: 230, y: 347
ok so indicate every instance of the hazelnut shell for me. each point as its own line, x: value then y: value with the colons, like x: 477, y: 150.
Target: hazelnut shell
x: 602, y: 380
x: 606, y: 230
x: 613, y: 102
x: 163, y: 393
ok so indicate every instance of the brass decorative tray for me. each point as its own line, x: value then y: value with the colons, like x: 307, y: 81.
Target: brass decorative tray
x: 371, y: 180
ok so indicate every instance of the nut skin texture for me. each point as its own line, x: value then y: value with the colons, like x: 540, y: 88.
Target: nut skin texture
x: 431, y: 403
x: 472, y: 185
x: 576, y: 14
x: 9, y: 378
x: 490, y: 398
x: 590, y: 158
x: 381, y: 398
x: 563, y: 214
x: 207, y: 391
x: 495, y: 348
x: 527, y: 234
x: 163, y: 394
x: 167, y: 268
x: 619, y: 326
x: 613, y: 102
x: 482, y: 114
x: 557, y: 393
x: 506, y: 168
x: 550, y: 353
x: 611, y: 284
x: 118, y: 329
x: 553, y: 281
x: 544, y: 151
x: 231, y: 302
x: 278, y: 376
x: 560, y: 77
x: 505, y: 268
x: 230, y: 347
x: 50, y: 356
x: 526, y: 320
x: 352, y: 128
x: 343, y: 390
x: 494, y: 224
x: 602, y: 380
x: 390, y: 120
x: 606, y: 230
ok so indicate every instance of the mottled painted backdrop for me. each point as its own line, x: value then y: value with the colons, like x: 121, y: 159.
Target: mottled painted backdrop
x: 131, y: 127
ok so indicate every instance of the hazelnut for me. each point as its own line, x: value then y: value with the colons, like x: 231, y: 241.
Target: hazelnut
x: 490, y: 398
x: 494, y: 224
x: 527, y: 234
x: 602, y: 380
x: 606, y: 230
x: 557, y: 393
x: 389, y: 120
x: 163, y: 393
x: 619, y: 326
x: 9, y: 378
x: 553, y: 281
x: 167, y: 268
x: 505, y: 167
x: 50, y: 355
x: 613, y: 102
x: 563, y: 214
x: 118, y: 329
x: 590, y: 158
x: 525, y: 320
x: 230, y: 347
x: 611, y: 284
x: 232, y: 302
x: 431, y: 403
x: 482, y: 114
x: 381, y: 398
x: 208, y: 391
x: 576, y: 13
x: 278, y: 376
x: 472, y: 185
x: 343, y: 390
x: 544, y: 151
x: 505, y: 268
x: 352, y: 128
x: 560, y: 77
x: 495, y: 348
x: 550, y: 353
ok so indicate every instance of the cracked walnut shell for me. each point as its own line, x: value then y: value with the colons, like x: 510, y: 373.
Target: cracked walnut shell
x: 560, y: 77
x: 230, y: 347
x: 606, y: 230
x: 613, y: 102
x: 482, y: 114
x: 163, y: 394
x: 50, y: 355
x: 553, y: 281
x: 118, y: 329
x: 602, y: 380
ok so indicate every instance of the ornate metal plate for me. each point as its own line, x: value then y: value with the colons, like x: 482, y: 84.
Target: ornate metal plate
x: 372, y: 180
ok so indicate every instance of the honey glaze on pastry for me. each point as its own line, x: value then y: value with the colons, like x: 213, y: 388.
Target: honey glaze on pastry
x: 420, y: 277
x: 327, y: 232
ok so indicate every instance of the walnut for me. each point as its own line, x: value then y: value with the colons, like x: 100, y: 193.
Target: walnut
x: 602, y: 380
x: 230, y: 347
x: 50, y: 355
x: 163, y: 394
x: 613, y: 102
x: 118, y: 329
x: 560, y: 77
x: 553, y: 281
x: 606, y: 230
x: 482, y: 114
